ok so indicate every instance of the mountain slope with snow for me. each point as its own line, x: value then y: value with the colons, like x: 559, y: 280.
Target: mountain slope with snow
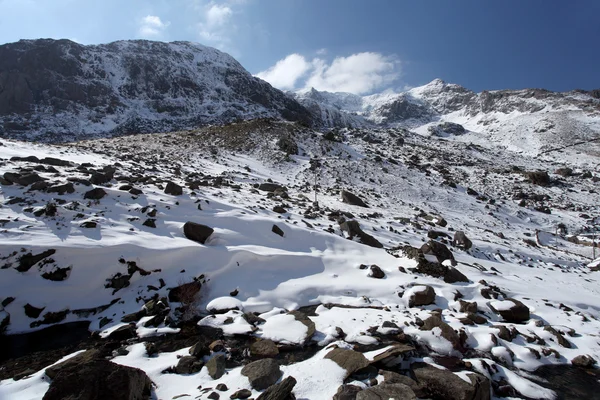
x: 58, y: 90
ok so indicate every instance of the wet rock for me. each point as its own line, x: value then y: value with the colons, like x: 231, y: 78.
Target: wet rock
x: 197, y: 232
x: 264, y: 349
x: 422, y: 297
x: 188, y: 365
x: 279, y: 391
x: 462, y: 241
x: 262, y: 373
x: 387, y: 391
x: 516, y: 312
x: 99, y: 379
x: 95, y: 194
x: 350, y: 360
x: 216, y: 366
x: 444, y: 384
x: 352, y: 199
x: 173, y: 189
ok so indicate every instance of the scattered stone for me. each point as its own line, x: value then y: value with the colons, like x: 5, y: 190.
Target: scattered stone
x: 353, y: 229
x: 241, y: 394
x: 438, y: 250
x: 262, y: 373
x: 466, y: 306
x: 173, y: 189
x: 376, y: 272
x: 88, y: 224
x: 264, y: 349
x: 583, y: 361
x: 352, y: 199
x: 516, y: 312
x: 62, y: 189
x: 197, y: 232
x: 221, y: 387
x: 188, y: 365
x: 279, y: 210
x: 150, y: 223
x: 277, y: 230
x: 270, y: 187
x: 279, y: 391
x: 216, y: 366
x: 387, y: 391
x: 422, y: 297
x: 95, y: 194
x: 462, y: 241
x: 394, y: 377
x: 350, y: 360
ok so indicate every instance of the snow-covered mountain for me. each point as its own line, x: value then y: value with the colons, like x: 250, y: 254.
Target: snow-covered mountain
x: 528, y: 120
x: 58, y: 90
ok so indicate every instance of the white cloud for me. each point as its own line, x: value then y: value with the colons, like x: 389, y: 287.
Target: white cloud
x: 359, y: 73
x: 322, y: 52
x: 151, y: 26
x: 285, y: 73
x: 215, y: 27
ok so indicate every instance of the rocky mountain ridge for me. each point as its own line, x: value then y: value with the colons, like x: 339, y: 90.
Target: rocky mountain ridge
x: 58, y: 90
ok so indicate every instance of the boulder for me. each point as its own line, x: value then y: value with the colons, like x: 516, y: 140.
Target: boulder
x: 264, y: 349
x: 387, y: 391
x: 511, y: 310
x: 540, y: 178
x: 376, y: 272
x: 188, y: 365
x: 438, y: 250
x: 241, y: 394
x: 99, y: 379
x: 62, y: 189
x: 197, y: 232
x: 262, y: 373
x: 95, y: 194
x: 173, y: 189
x: 269, y: 187
x: 583, y: 361
x: 462, y: 241
x: 279, y: 391
x: 446, y: 331
x: 352, y: 199
x: 277, y: 230
x: 444, y: 384
x: 353, y: 230
x: 394, y: 377
x: 347, y: 392
x: 216, y: 366
x: 422, y: 297
x: 348, y: 359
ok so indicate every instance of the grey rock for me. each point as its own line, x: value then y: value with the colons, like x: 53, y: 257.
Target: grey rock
x: 422, y: 298
x: 350, y: 360
x: 262, y: 373
x: 216, y: 366
x: 387, y: 391
x: 279, y: 391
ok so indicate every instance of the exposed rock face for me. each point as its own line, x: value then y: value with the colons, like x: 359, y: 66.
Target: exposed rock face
x: 57, y: 87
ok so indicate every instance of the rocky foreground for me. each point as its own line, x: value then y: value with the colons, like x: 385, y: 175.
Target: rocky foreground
x: 197, y: 265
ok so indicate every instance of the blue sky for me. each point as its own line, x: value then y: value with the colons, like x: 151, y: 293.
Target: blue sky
x: 349, y: 45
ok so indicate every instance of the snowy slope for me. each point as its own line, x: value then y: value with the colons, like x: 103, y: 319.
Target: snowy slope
x: 410, y: 189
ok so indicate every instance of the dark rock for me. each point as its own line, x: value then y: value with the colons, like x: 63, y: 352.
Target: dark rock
x: 444, y: 384
x: 394, y: 377
x: 214, y: 396
x: 188, y: 365
x: 352, y: 199
x: 350, y: 360
x: 216, y: 366
x: 583, y: 361
x: 517, y: 313
x: 28, y: 260
x: 387, y: 391
x: 134, y: 317
x: 197, y: 232
x: 135, y: 191
x: 262, y: 373
x: 184, y: 292
x: 437, y: 249
x: 81, y: 358
x: 99, y: 178
x: 221, y: 387
x: 150, y: 223
x: 347, y: 392
x: 269, y: 187
x: 540, y: 178
x: 435, y: 321
x: 287, y: 145
x: 57, y: 162
x: 41, y: 185
x: 241, y: 394
x: 264, y: 349
x: 393, y: 352
x: 23, y: 180
x: 99, y: 379
x: 62, y: 189
x: 376, y: 272
x: 123, y: 333
x: 504, y: 333
x: 277, y: 230
x: 461, y: 240
x: 466, y: 306
x: 279, y: 391
x: 58, y: 274
x: 95, y: 194
x: 88, y: 224
x: 423, y: 297
x: 32, y: 312
x: 279, y: 210
x: 353, y: 230
x: 173, y: 189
